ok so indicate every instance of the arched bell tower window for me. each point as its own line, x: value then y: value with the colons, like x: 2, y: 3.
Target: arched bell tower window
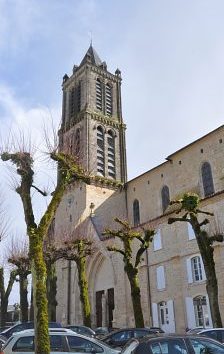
x: 72, y: 102
x: 207, y: 179
x: 79, y: 93
x: 165, y: 194
x: 108, y: 100
x: 99, y: 95
x: 77, y: 141
x: 111, y: 154
x: 100, y: 151
x: 136, y: 212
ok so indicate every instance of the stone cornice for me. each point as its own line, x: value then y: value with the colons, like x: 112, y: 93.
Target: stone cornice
x: 106, y: 120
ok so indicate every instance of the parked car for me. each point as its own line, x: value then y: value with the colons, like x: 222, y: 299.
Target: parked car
x: 215, y: 333
x: 173, y: 344
x: 25, y: 325
x: 156, y: 329
x: 194, y: 330
x: 62, y: 341
x: 119, y: 338
x: 86, y: 331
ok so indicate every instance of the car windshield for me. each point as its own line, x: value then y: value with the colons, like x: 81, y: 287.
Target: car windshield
x: 203, y: 346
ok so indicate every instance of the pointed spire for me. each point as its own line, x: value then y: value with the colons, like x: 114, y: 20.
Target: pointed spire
x: 92, y: 57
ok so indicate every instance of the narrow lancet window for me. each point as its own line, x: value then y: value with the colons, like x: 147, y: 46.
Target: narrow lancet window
x: 100, y: 152
x: 111, y: 154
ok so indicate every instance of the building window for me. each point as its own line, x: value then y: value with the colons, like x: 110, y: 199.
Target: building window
x: 108, y: 99
x: 77, y: 142
x: 163, y: 313
x: 136, y: 212
x: 100, y: 151
x: 207, y: 179
x: 160, y: 277
x: 191, y: 234
x: 165, y: 194
x: 201, y: 311
x: 111, y: 154
x: 157, y: 242
x: 99, y: 91
x: 196, y: 269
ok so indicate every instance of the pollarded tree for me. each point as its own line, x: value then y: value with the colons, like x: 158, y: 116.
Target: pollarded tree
x: 189, y: 206
x: 68, y: 172
x: 77, y: 250
x: 18, y: 256
x: 52, y: 254
x: 131, y: 261
x: 4, y: 293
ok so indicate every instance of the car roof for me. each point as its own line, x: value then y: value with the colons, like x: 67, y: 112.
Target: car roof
x: 51, y: 330
x: 128, y: 329
x: 169, y: 335
x: 211, y: 329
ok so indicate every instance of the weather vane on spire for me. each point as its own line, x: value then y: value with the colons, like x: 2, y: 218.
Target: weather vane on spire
x: 91, y: 37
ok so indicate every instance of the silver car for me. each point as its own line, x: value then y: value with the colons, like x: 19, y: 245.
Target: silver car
x: 60, y: 341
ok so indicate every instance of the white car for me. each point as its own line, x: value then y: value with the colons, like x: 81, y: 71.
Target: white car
x: 62, y: 341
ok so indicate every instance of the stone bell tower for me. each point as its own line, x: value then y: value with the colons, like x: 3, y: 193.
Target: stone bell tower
x: 92, y: 127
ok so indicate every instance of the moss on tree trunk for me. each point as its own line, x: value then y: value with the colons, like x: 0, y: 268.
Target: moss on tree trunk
x: 38, y: 269
x: 136, y: 298
x: 83, y: 288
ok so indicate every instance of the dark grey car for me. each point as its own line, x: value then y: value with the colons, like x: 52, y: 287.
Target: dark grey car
x: 173, y: 344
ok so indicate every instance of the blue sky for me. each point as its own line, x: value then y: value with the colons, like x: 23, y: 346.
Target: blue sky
x: 170, y: 53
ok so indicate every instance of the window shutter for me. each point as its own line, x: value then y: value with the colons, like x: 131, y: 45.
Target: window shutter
x: 155, y: 317
x: 160, y: 278
x: 191, y: 235
x: 189, y: 271
x: 209, y: 312
x: 191, y: 323
x: 202, y: 269
x: 157, y: 243
x: 172, y: 327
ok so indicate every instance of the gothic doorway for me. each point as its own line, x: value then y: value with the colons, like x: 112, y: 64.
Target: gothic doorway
x: 99, y: 310
x: 110, y: 303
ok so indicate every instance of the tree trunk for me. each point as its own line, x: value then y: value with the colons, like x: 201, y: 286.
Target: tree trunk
x: 136, y: 298
x: 38, y: 268
x: 211, y: 283
x: 23, y: 284
x: 212, y: 291
x: 31, y: 317
x: 207, y: 254
x: 83, y: 288
x: 51, y: 292
x: 4, y: 307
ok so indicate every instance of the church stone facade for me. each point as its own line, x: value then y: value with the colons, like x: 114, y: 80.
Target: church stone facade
x: 172, y: 278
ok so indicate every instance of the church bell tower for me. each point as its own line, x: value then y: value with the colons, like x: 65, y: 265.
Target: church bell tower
x: 92, y: 126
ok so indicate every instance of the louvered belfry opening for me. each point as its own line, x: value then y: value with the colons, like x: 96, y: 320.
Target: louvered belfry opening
x: 111, y: 154
x: 108, y: 100
x: 100, y: 151
x: 99, y: 104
